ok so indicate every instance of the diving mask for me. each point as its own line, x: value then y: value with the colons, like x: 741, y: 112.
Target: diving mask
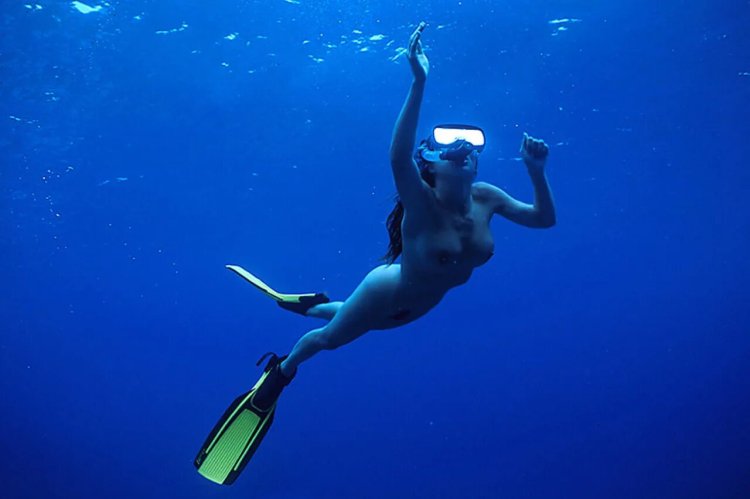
x: 452, y: 143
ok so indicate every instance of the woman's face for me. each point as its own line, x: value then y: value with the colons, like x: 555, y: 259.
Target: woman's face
x: 466, y: 169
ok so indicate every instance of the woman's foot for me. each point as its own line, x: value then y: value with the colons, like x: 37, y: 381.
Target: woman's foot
x: 274, y: 383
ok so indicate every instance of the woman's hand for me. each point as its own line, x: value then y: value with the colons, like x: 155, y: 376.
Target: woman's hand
x: 420, y: 66
x: 534, y: 153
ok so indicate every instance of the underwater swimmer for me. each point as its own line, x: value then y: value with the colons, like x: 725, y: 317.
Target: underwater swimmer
x: 440, y: 229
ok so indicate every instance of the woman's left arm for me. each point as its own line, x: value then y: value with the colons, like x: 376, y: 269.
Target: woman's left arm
x: 542, y: 213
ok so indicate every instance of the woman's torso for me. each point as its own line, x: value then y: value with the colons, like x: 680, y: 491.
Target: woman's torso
x: 440, y: 251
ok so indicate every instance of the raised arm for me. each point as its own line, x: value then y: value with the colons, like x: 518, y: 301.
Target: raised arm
x: 541, y: 214
x: 409, y: 184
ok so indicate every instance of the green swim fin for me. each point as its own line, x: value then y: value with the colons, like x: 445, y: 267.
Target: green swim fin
x: 299, y: 303
x: 237, y: 435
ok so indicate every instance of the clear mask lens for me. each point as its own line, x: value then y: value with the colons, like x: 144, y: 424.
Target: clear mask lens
x: 445, y: 135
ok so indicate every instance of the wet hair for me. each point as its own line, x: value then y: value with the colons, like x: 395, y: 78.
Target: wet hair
x: 393, y: 222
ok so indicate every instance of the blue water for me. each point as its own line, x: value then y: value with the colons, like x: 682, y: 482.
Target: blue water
x: 146, y: 144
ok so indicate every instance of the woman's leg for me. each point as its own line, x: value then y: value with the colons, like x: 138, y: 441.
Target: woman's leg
x: 367, y: 308
x: 311, y: 343
x: 325, y: 310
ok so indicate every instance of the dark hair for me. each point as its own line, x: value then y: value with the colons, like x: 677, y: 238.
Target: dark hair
x: 393, y: 222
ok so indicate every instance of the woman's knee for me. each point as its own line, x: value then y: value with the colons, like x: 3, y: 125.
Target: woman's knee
x: 323, y: 340
x: 331, y: 338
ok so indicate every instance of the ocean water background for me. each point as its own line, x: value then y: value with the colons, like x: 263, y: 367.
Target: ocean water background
x: 144, y: 144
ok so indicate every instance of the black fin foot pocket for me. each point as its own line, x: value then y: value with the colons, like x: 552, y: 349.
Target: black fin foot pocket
x: 305, y: 303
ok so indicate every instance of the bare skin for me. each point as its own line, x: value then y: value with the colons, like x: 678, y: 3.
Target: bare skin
x: 445, y: 232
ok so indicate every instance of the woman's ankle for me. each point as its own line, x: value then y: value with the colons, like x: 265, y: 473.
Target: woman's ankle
x: 286, y: 370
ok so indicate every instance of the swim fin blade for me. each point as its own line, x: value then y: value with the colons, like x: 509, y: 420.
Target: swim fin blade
x: 232, y: 442
x: 299, y: 303
x: 237, y: 435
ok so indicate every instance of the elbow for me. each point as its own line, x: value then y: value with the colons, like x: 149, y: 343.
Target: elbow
x: 549, y: 216
x: 400, y: 150
x: 393, y: 154
x: 399, y: 156
x: 546, y: 221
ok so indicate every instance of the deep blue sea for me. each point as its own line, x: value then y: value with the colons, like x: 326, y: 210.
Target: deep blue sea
x: 145, y: 144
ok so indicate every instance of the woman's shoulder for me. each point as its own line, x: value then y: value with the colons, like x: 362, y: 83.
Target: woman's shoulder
x: 489, y: 195
x: 483, y: 191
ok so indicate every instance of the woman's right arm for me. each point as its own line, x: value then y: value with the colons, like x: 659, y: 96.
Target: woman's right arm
x: 409, y: 184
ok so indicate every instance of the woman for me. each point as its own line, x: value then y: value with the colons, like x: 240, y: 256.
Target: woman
x: 439, y: 227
